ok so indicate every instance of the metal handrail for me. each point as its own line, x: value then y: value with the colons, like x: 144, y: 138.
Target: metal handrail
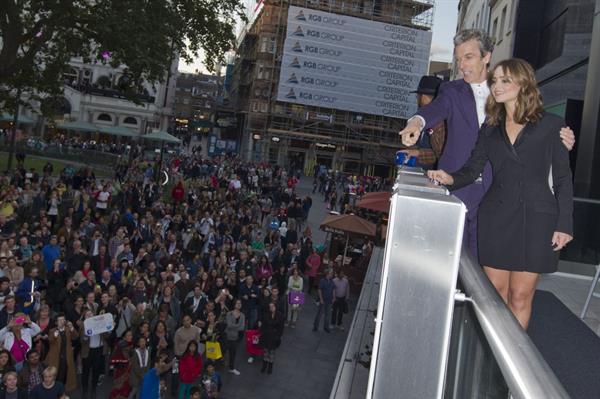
x: 527, y: 374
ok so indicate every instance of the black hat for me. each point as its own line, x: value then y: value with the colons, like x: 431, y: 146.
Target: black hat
x: 428, y: 85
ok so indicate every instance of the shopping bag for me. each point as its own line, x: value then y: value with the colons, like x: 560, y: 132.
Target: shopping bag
x: 252, y: 343
x: 213, y: 350
x: 296, y: 298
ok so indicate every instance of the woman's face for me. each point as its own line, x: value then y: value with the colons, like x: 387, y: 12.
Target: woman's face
x: 192, y: 348
x: 128, y: 337
x: 44, y: 312
x: 504, y: 88
x: 3, y: 359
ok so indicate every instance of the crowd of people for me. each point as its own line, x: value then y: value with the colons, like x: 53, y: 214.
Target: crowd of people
x: 188, y: 274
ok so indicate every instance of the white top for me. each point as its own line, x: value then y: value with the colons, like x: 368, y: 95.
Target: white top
x: 481, y: 91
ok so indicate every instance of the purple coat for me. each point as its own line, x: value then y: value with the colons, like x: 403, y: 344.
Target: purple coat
x: 455, y: 103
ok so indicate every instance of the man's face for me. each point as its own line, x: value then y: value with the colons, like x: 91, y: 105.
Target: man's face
x: 422, y: 100
x: 470, y: 62
x: 34, y: 359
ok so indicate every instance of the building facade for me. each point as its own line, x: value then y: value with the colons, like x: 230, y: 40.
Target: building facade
x: 195, y: 103
x: 299, y: 135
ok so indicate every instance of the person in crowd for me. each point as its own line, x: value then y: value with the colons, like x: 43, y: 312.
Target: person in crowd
x: 50, y: 388
x: 523, y: 221
x: 341, y: 294
x: 151, y: 383
x: 31, y: 375
x: 325, y: 300
x: 60, y: 355
x: 121, y: 361
x: 92, y: 352
x: 235, y: 324
x: 295, y: 285
x: 140, y: 364
x: 271, y: 330
x: 6, y: 363
x: 17, y: 338
x: 11, y: 388
x: 313, y: 262
x: 190, y: 367
x: 211, y: 381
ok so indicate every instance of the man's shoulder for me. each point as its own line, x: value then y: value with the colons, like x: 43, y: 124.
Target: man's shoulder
x: 452, y: 85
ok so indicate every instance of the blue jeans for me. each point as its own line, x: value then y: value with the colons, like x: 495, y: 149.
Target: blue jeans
x: 323, y: 310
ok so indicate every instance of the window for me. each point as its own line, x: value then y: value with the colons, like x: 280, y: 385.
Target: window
x: 502, y: 23
x: 511, y: 16
x: 495, y: 28
x: 130, y: 120
x: 104, y: 117
x: 267, y: 44
x: 477, y: 20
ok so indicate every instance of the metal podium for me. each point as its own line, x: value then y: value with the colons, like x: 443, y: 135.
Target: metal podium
x: 421, y: 262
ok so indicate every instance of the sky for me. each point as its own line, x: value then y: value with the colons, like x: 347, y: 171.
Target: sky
x: 444, y: 27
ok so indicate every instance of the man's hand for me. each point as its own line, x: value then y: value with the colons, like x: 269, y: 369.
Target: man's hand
x: 410, y: 134
x: 560, y: 240
x: 568, y: 137
x: 441, y: 177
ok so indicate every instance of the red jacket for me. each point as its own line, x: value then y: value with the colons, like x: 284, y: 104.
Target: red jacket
x: 190, y: 368
x: 178, y: 192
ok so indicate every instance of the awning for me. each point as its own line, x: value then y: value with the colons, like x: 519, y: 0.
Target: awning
x: 161, y: 136
x: 6, y: 117
x: 79, y: 126
x: 118, y: 131
x: 348, y: 224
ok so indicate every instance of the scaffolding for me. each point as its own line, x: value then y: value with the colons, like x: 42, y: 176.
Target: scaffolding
x: 272, y: 129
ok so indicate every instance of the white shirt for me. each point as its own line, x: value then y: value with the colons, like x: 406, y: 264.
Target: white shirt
x: 481, y: 91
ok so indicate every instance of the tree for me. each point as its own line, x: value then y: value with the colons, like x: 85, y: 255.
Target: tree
x: 39, y: 37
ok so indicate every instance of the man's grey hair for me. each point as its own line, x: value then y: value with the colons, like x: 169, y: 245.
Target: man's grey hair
x: 486, y: 43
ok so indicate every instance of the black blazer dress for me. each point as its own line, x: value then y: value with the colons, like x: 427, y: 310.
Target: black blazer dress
x: 519, y: 213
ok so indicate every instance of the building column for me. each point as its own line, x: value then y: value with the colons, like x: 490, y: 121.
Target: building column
x: 588, y: 149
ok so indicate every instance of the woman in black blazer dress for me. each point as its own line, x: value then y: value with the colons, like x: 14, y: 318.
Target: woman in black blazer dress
x: 523, y: 223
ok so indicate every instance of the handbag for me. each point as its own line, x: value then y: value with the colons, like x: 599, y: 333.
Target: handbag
x: 296, y: 298
x: 213, y: 350
x: 253, y: 343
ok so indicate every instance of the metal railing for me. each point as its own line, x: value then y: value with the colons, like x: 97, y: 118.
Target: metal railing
x: 489, y: 354
x: 525, y: 371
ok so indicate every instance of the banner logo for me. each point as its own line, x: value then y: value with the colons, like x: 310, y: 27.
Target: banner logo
x: 293, y: 79
x: 295, y: 63
x: 300, y: 16
x: 298, y: 32
x: 291, y: 95
x: 297, y: 48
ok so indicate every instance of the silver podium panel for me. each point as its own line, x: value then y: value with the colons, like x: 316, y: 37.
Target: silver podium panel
x: 416, y: 300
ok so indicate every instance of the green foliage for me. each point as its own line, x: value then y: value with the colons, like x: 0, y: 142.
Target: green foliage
x: 39, y: 37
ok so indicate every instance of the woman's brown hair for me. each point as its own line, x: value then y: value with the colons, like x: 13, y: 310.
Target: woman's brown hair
x: 529, y: 100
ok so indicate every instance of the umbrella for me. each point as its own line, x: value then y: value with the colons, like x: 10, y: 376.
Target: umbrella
x: 79, y: 126
x: 161, y: 136
x: 378, y: 204
x: 377, y: 195
x: 348, y: 224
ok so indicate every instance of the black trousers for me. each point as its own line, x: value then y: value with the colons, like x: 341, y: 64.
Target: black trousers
x: 232, y: 350
x: 338, y: 311
x: 94, y: 365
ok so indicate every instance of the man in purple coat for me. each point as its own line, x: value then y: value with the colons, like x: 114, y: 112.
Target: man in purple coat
x: 462, y: 104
